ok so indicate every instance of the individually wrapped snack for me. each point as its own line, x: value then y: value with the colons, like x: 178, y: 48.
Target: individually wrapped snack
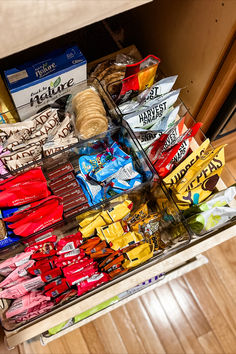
x: 201, y: 178
x: 173, y: 156
x: 7, y: 266
x: 138, y: 255
x: 16, y: 274
x: 161, y: 87
x: 166, y: 140
x: 69, y: 243
x: 92, y: 282
x: 56, y: 145
x: 25, y: 303
x: 22, y: 289
x: 147, y: 117
x: 112, y: 231
x: 87, y: 220
x: 148, y: 136
x: 86, y: 273
x: 117, y: 212
x: 210, y: 219
x: 220, y: 199
x: 180, y: 171
x: 21, y: 157
x: 138, y: 76
x: 8, y: 129
x: 90, y: 229
x: 127, y: 239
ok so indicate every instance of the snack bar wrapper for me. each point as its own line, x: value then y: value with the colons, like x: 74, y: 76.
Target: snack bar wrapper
x: 220, y: 199
x: 210, y: 219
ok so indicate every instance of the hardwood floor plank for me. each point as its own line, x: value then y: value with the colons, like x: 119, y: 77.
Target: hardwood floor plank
x: 210, y: 344
x: 178, y: 320
x: 223, y: 259
x: 189, y: 306
x: 144, y: 327
x: 75, y: 342
x: 211, y: 310
x: 127, y: 331
x: 161, y: 324
x: 109, y: 335
x: 91, y: 337
x: 225, y: 302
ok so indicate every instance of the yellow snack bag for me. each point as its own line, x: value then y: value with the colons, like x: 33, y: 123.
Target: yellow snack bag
x: 112, y: 231
x: 89, y: 230
x: 138, y: 255
x: 201, y: 179
x: 87, y: 220
x: 117, y: 212
x: 181, y: 170
x: 137, y: 227
x: 99, y: 233
x: 139, y: 214
x: 126, y: 240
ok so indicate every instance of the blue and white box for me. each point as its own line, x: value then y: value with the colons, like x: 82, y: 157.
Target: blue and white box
x: 37, y: 84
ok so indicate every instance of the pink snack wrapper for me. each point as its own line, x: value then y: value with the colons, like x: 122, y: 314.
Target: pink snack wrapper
x: 34, y: 312
x: 21, y: 289
x: 7, y: 266
x: 17, y: 274
x: 25, y: 303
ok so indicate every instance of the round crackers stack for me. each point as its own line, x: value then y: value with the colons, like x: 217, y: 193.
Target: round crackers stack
x: 90, y: 114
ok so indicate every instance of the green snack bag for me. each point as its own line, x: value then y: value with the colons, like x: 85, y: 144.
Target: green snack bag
x: 210, y: 219
x: 219, y: 199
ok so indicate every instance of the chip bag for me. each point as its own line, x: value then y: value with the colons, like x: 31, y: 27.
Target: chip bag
x: 201, y: 178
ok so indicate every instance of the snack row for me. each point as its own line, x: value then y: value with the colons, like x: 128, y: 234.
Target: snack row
x: 58, y: 266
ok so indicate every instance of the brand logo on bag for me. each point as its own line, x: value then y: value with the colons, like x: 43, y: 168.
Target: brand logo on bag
x: 55, y: 87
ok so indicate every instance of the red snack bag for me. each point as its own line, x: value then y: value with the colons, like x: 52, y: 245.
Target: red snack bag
x: 138, y: 77
x: 45, y: 250
x: 52, y: 274
x: 53, y: 283
x: 37, y: 245
x: 66, y: 296
x: 92, y: 282
x: 69, y: 243
x: 77, y: 267
x: 76, y: 254
x: 166, y: 140
x: 35, y: 174
x: 22, y: 194
x: 40, y: 222
x: 173, y: 156
x: 27, y: 212
x: 83, y: 274
x: 57, y: 290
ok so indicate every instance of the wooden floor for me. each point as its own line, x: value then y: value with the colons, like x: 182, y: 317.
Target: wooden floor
x: 195, y: 313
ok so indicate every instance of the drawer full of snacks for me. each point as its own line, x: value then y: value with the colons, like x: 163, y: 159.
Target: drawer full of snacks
x: 70, y: 182
x: 184, y: 159
x: 85, y: 253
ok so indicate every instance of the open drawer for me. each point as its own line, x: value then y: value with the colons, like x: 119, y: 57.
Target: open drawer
x: 163, y: 265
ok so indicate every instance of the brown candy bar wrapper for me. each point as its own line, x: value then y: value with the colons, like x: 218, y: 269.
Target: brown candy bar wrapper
x: 72, y: 194
x: 57, y: 183
x: 74, y: 202
x: 60, y: 171
x: 67, y: 187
